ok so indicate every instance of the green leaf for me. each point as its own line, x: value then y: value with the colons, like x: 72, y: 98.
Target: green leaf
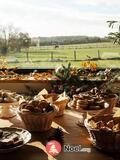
x: 111, y: 23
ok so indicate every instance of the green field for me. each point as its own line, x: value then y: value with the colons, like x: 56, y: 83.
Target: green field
x: 48, y: 56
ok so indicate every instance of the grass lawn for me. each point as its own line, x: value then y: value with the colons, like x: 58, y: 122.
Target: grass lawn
x: 101, y: 63
x: 41, y: 57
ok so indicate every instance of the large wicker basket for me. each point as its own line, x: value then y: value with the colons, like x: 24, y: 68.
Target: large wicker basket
x: 60, y: 101
x: 38, y: 122
x: 105, y: 140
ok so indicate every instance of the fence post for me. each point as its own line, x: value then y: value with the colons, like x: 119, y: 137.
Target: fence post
x: 27, y: 54
x: 99, y: 54
x: 51, y: 56
x: 74, y: 55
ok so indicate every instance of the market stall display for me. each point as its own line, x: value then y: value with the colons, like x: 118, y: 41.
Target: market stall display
x: 85, y: 91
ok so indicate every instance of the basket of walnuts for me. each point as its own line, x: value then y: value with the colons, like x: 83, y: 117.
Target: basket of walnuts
x: 37, y: 115
x: 59, y: 100
x: 104, y: 131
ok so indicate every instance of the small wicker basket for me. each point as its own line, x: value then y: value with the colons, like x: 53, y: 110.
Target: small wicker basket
x: 8, y: 110
x: 105, y: 140
x: 112, y: 100
x: 38, y: 122
x: 61, y: 106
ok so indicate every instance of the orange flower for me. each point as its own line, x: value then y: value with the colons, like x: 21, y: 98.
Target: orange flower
x: 90, y: 65
x: 93, y: 66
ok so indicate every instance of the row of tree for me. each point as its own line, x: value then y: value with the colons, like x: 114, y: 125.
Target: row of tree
x: 11, y: 39
x: 66, y: 40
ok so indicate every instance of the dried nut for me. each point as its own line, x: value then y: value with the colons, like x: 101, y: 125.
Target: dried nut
x: 25, y: 110
x: 77, y: 106
x: 94, y: 107
x: 105, y: 129
x: 23, y: 105
x: 36, y: 106
x: 75, y: 97
x: 110, y: 124
x: 81, y: 96
x: 30, y: 107
x: 22, y: 101
x: 34, y: 103
x: 1, y: 133
x: 91, y: 101
x: 73, y: 104
x: 1, y: 99
x: 116, y: 127
x: 92, y: 124
x: 43, y: 104
x: 82, y: 102
x: 100, y: 125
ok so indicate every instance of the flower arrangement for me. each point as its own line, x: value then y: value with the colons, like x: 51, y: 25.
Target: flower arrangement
x: 92, y: 66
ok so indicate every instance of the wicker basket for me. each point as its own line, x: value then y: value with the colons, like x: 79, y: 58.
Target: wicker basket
x: 38, y: 122
x: 59, y: 101
x: 61, y: 106
x: 105, y: 140
x: 112, y: 100
x: 8, y: 110
x: 53, y: 95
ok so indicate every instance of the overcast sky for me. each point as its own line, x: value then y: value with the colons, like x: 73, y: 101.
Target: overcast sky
x: 60, y: 17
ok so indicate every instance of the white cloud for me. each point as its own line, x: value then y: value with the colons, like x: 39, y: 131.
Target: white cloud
x: 98, y: 2
x: 47, y: 19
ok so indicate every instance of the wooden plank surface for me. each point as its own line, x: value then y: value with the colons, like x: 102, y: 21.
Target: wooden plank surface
x: 21, y: 87
x: 73, y: 134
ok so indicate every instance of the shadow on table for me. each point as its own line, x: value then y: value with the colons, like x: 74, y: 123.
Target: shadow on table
x: 108, y: 155
x: 73, y: 135
x: 39, y: 139
x: 27, y: 152
x: 38, y: 142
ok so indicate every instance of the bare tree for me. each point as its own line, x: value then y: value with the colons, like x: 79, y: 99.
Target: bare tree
x: 13, y: 40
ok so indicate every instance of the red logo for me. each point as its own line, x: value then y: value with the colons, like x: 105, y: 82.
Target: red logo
x: 53, y: 148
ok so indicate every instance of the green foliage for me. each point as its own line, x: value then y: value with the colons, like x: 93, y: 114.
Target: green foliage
x: 111, y: 23
x: 115, y: 36
x: 24, y: 40
x: 63, y: 72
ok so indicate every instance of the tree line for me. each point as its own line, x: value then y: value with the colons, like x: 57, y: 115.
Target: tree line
x: 66, y: 40
x: 12, y: 40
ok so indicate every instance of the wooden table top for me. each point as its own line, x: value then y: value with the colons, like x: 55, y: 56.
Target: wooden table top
x: 73, y: 134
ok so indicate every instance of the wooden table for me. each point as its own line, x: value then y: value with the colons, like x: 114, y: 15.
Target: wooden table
x: 74, y: 135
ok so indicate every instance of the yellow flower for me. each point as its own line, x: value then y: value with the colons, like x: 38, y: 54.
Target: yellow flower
x: 90, y: 65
